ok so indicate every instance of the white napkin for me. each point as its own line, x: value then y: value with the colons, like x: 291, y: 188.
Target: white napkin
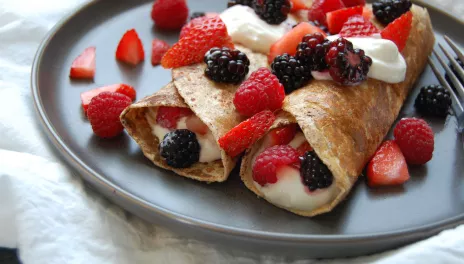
x: 48, y: 214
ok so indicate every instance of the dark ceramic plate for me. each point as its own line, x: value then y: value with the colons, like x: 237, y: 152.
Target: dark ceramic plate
x: 368, y: 221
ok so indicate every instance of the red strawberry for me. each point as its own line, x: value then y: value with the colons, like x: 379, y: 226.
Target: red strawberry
x: 298, y: 5
x: 367, y: 13
x: 388, y: 166
x: 83, y: 67
x: 267, y: 163
x: 305, y: 147
x: 192, y: 47
x: 416, y: 140
x: 336, y: 19
x: 398, y: 30
x: 167, y: 116
x: 195, y: 125
x: 121, y: 88
x: 351, y: 3
x: 283, y: 135
x: 245, y: 134
x: 357, y: 26
x: 104, y: 111
x: 194, y: 22
x: 289, y: 42
x: 130, y: 48
x: 318, y: 10
x: 170, y: 14
x: 158, y: 49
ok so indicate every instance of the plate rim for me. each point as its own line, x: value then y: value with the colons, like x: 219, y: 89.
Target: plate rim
x: 94, y: 178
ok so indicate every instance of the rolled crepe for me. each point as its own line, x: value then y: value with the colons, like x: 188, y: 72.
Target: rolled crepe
x: 212, y: 102
x: 345, y: 125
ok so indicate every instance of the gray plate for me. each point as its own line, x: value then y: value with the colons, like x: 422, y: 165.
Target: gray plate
x: 368, y: 221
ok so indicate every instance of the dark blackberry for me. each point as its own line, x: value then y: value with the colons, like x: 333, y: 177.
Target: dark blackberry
x: 433, y: 100
x: 291, y: 73
x: 314, y: 172
x: 272, y: 11
x: 319, y: 25
x: 240, y: 2
x: 197, y: 15
x: 312, y: 50
x: 388, y: 10
x: 347, y: 66
x: 225, y: 65
x: 180, y: 148
x: 455, y: 73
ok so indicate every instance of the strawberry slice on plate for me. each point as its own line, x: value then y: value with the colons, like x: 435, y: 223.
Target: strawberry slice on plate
x: 83, y: 67
x: 130, y: 48
x: 336, y: 19
x: 158, y: 49
x: 121, y: 88
x: 398, y: 30
x: 319, y: 9
x: 357, y: 26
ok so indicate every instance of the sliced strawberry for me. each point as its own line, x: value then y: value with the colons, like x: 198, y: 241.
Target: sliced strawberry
x: 289, y: 42
x: 367, y: 13
x: 357, y: 26
x: 83, y: 67
x: 398, y: 30
x: 388, y: 166
x: 319, y: 9
x: 298, y: 5
x: 158, y: 49
x: 283, y: 135
x: 121, y: 88
x: 130, y: 48
x: 305, y: 147
x: 245, y: 134
x: 167, y: 116
x: 195, y: 125
x: 351, y: 3
x: 336, y: 19
x: 195, y: 22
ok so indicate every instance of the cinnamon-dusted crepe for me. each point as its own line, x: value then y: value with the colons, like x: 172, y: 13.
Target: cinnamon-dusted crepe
x: 212, y: 102
x: 345, y: 125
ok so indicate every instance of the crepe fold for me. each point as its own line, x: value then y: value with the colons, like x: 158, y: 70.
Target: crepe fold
x: 210, y: 101
x: 345, y: 125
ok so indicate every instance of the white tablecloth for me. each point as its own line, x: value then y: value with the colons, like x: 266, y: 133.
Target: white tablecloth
x: 47, y: 213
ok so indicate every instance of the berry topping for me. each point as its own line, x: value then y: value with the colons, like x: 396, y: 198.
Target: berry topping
x: 103, y: 113
x: 319, y: 25
x: 388, y: 166
x: 169, y: 14
x: 357, y: 26
x: 261, y: 91
x: 240, y: 2
x: 317, y: 12
x: 291, y: 72
x: 336, y: 19
x: 83, y: 67
x: 433, y: 100
x: 245, y: 134
x: 195, y: 22
x: 387, y: 11
x: 167, y: 116
x: 197, y: 15
x: 297, y: 5
x: 314, y: 172
x: 351, y: 3
x: 195, y: 125
x: 267, y: 163
x: 130, y: 48
x: 312, y: 50
x: 158, y: 49
x: 272, y: 11
x: 121, y: 88
x: 226, y: 65
x: 180, y: 148
x: 192, y: 47
x: 348, y: 66
x: 415, y: 139
x: 399, y: 30
x: 283, y: 135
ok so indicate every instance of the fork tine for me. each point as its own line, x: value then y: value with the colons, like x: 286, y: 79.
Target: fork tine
x: 455, y: 48
x: 454, y: 62
x: 457, y: 84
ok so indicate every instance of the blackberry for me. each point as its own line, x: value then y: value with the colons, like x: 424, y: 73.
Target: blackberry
x: 273, y: 12
x: 225, y: 65
x: 314, y: 172
x: 319, y: 25
x: 291, y: 73
x: 388, y: 10
x: 197, y: 15
x: 347, y: 66
x: 240, y: 2
x: 433, y: 100
x: 455, y: 73
x: 180, y: 148
x: 312, y: 50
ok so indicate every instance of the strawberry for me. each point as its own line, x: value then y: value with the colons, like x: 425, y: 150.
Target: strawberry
x: 192, y: 47
x: 158, y: 49
x: 83, y: 67
x: 398, y: 30
x: 283, y: 135
x: 170, y: 14
x: 336, y: 19
x: 195, y: 125
x: 289, y: 42
x: 388, y: 166
x: 351, y: 3
x: 298, y: 5
x: 130, y: 48
x: 317, y: 12
x: 245, y: 134
x: 194, y: 22
x: 121, y: 88
x: 357, y: 26
x: 367, y: 13
x: 167, y: 116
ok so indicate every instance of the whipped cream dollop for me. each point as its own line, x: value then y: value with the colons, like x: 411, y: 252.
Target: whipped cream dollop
x: 209, y: 149
x: 246, y: 28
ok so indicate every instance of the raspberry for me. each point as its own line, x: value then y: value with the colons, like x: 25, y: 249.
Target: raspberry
x: 158, y: 49
x: 225, y: 65
x: 273, y: 12
x: 386, y: 11
x: 180, y: 148
x: 312, y: 50
x: 261, y: 91
x: 357, y: 26
x: 167, y: 116
x: 415, y: 139
x: 169, y: 14
x: 266, y: 164
x: 314, y: 172
x: 103, y: 113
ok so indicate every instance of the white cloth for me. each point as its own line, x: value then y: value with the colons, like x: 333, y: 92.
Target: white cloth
x: 48, y: 214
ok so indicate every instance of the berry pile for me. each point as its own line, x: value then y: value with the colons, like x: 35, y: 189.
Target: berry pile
x: 386, y: 11
x: 226, y: 65
x: 291, y: 72
x: 433, y: 100
x: 180, y: 148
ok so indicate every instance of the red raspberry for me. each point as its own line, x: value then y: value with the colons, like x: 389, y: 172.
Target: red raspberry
x: 170, y: 14
x: 261, y: 91
x: 167, y: 117
x: 267, y: 163
x: 158, y: 49
x: 415, y: 139
x: 104, y: 111
x: 195, y: 22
